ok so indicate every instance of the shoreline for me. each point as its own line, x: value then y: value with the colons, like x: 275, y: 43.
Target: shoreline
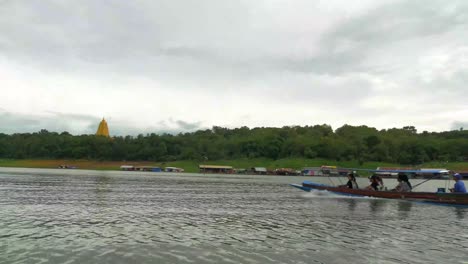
x: 191, y: 166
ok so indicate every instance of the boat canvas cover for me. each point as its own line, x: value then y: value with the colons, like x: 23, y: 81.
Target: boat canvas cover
x: 214, y: 167
x: 173, y: 169
x: 434, y: 171
x: 312, y: 171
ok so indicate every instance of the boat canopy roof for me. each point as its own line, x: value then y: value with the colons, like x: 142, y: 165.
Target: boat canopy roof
x: 393, y: 170
x: 214, y: 167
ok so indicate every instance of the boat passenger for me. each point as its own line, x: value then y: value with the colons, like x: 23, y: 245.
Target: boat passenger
x: 374, y: 183
x: 380, y: 181
x: 459, y: 186
x: 403, y: 183
x: 351, y: 184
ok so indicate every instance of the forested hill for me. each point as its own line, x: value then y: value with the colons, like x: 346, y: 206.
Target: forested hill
x: 361, y: 143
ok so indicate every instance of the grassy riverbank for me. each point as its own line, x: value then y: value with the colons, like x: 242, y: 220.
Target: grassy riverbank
x: 192, y: 166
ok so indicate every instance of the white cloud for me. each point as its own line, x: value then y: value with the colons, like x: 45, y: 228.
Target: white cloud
x: 142, y: 64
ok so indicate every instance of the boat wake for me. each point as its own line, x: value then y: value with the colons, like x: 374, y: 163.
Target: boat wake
x: 323, y: 194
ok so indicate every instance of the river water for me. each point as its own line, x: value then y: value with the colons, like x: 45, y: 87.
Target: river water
x: 77, y: 216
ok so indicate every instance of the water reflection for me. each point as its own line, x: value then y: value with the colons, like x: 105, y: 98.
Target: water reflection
x: 352, y: 203
x: 103, y: 183
x: 101, y: 189
x: 461, y: 212
x: 404, y: 208
x: 376, y: 205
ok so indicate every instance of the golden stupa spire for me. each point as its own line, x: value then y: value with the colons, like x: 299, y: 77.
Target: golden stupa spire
x: 103, y: 129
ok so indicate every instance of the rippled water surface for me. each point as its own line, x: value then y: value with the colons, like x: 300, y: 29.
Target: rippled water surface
x: 68, y: 216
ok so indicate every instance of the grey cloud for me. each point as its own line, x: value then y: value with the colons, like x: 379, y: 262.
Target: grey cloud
x: 78, y: 124
x: 113, y: 30
x: 403, y: 20
x: 353, y: 43
x: 28, y: 123
x: 188, y: 126
x: 195, y: 36
x: 234, y: 49
x: 318, y: 90
x: 163, y: 40
x: 169, y: 126
x: 453, y: 90
x: 460, y: 125
x: 72, y: 117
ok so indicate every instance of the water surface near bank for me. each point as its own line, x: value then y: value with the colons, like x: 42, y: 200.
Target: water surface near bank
x: 78, y: 216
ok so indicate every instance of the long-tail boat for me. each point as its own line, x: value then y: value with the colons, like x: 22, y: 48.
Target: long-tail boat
x: 430, y: 197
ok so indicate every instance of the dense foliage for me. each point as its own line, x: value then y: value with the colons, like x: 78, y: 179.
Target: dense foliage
x: 362, y: 143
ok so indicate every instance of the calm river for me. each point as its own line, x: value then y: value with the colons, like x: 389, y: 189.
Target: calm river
x: 77, y: 216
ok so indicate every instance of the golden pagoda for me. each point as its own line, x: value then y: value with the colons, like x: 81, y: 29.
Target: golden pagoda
x: 103, y: 129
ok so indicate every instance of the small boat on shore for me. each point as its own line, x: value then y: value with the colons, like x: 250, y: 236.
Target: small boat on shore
x: 429, y: 197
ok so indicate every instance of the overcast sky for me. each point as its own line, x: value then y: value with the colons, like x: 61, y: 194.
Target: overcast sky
x: 171, y: 66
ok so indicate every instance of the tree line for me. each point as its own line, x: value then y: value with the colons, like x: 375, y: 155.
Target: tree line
x: 397, y: 145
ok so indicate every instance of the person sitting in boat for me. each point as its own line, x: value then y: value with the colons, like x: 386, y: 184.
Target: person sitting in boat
x: 351, y: 184
x: 403, y: 183
x: 459, y: 186
x: 374, y: 183
x: 380, y: 181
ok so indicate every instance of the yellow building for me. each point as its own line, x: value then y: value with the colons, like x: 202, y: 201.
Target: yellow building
x: 103, y: 129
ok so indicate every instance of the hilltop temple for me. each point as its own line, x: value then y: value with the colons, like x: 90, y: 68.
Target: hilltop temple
x: 103, y: 129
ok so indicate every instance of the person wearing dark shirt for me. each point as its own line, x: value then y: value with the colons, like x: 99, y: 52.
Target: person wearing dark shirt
x: 374, y: 183
x: 351, y: 184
